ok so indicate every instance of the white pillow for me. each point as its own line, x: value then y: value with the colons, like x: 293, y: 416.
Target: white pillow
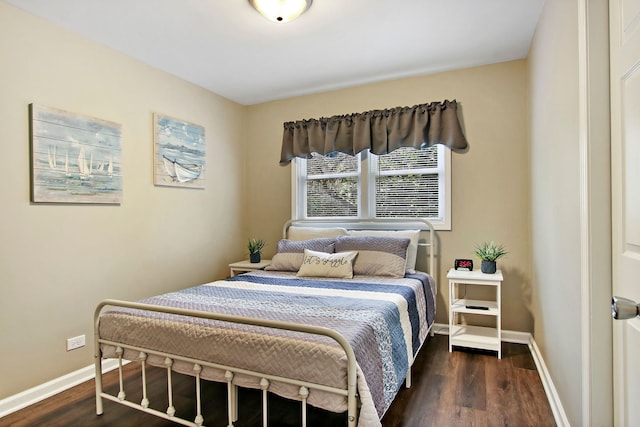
x: 321, y: 264
x: 307, y: 233
x: 412, y: 250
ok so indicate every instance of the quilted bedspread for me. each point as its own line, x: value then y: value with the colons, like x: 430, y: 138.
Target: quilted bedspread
x: 385, y: 321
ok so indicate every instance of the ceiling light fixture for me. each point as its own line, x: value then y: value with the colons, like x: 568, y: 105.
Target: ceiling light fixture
x: 281, y: 10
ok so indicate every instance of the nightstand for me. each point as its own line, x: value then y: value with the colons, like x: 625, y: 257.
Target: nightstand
x: 463, y: 335
x: 246, y: 265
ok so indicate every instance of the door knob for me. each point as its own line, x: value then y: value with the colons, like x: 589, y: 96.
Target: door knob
x: 624, y: 308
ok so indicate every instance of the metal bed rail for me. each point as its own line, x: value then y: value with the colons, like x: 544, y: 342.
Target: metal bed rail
x: 350, y: 392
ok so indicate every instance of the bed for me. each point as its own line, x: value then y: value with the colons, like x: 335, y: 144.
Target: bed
x: 335, y: 322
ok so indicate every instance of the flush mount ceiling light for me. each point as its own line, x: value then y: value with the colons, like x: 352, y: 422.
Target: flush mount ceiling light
x: 281, y: 10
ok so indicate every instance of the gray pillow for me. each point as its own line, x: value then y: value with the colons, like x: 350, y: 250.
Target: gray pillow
x: 377, y: 256
x: 289, y: 253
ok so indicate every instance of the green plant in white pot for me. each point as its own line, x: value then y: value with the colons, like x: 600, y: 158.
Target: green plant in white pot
x: 489, y: 253
x: 255, y: 247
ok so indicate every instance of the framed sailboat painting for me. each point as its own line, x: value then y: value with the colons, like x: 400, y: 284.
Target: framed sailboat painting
x: 74, y: 158
x: 179, y: 153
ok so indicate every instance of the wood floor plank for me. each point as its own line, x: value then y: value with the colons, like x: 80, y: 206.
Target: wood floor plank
x: 471, y: 384
x: 503, y: 402
x: 528, y: 386
x: 447, y: 411
x: 462, y: 388
x: 468, y: 417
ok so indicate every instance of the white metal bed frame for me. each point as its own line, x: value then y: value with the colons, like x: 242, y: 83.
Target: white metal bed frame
x: 232, y: 394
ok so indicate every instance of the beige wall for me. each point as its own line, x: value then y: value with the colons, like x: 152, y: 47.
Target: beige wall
x: 57, y: 262
x: 555, y: 199
x: 490, y: 181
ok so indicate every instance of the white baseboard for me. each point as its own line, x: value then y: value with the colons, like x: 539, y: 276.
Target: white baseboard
x: 526, y: 338
x: 36, y: 394
x: 440, y: 328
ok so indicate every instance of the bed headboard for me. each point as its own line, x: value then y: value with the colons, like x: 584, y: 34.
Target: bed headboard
x: 427, y: 242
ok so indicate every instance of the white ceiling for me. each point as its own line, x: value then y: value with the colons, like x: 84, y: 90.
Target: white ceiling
x: 228, y: 48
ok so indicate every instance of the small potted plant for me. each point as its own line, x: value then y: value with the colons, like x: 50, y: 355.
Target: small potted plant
x: 489, y: 252
x: 255, y: 249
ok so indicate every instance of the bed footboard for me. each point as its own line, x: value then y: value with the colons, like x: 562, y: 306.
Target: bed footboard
x: 265, y: 379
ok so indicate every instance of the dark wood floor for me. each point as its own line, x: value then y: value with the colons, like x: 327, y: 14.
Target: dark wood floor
x: 463, y: 388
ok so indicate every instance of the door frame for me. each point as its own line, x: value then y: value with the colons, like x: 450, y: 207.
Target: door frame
x: 595, y: 212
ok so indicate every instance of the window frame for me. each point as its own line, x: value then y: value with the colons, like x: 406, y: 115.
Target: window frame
x: 368, y: 171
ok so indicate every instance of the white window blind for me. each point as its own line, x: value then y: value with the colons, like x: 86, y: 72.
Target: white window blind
x: 404, y: 183
x: 407, y: 183
x: 332, y: 186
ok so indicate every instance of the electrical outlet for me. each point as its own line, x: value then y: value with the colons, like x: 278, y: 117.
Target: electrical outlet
x: 76, y: 342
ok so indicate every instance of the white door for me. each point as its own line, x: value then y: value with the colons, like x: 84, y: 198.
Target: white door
x: 625, y: 169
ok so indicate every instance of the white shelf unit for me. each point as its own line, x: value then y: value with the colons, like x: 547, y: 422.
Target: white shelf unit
x: 464, y: 335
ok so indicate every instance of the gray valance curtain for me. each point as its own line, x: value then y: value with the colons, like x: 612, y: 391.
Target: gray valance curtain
x: 380, y: 131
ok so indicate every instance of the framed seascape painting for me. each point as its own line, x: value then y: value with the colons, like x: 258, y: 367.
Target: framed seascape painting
x: 74, y: 158
x: 179, y: 148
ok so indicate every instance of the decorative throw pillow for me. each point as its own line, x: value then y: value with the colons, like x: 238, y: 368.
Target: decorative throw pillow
x: 289, y: 253
x: 307, y: 233
x: 320, y: 264
x: 377, y: 256
x: 412, y: 250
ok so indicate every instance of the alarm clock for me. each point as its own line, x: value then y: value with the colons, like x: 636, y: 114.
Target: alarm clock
x: 463, y: 264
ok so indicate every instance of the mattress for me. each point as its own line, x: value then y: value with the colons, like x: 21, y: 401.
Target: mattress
x: 385, y: 320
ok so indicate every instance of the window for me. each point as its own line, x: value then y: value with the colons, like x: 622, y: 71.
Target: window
x: 403, y: 183
x: 332, y: 186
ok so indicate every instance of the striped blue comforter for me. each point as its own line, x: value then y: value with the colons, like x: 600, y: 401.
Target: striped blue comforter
x: 385, y: 320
